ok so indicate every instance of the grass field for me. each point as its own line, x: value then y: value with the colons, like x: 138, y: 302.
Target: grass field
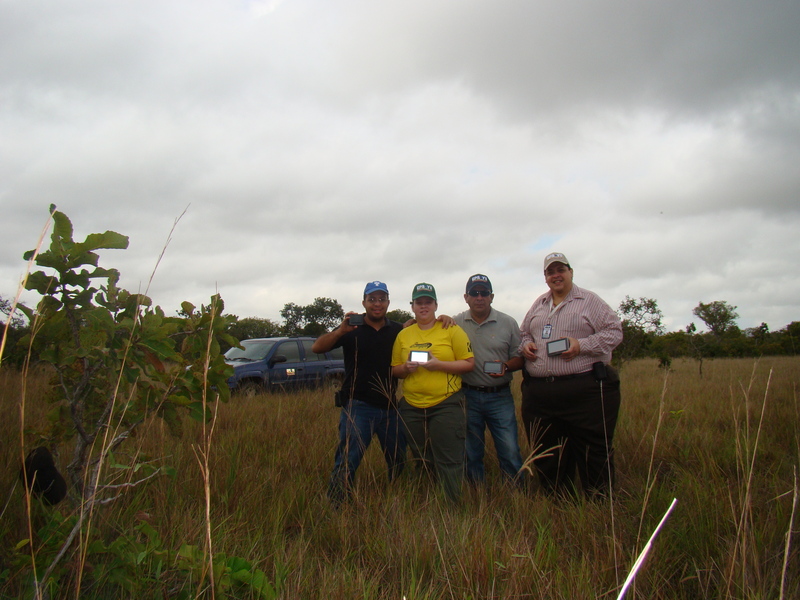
x: 725, y: 445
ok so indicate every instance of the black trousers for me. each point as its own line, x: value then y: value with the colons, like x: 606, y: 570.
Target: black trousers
x: 572, y: 420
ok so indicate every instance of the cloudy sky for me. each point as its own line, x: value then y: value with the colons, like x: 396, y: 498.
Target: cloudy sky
x: 314, y: 145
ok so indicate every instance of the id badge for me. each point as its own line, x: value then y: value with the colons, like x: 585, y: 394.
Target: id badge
x: 546, y: 332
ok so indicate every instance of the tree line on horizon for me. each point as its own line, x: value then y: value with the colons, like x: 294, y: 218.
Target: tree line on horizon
x: 644, y: 335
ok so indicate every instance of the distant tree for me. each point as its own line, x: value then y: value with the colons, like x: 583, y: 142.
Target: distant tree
x: 17, y: 319
x: 719, y: 316
x: 324, y: 313
x: 671, y: 345
x: 734, y: 343
x: 399, y: 315
x: 641, y: 322
x: 758, y: 333
x: 642, y: 314
x: 757, y: 339
x: 253, y: 327
x: 5, y: 306
x: 790, y: 338
x: 292, y: 315
x: 697, y: 345
x: 13, y: 330
x: 314, y: 319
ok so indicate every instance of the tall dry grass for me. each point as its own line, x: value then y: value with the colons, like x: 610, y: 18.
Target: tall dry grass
x: 726, y: 445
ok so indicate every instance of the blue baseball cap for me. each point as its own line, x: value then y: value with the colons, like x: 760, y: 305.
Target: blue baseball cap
x: 375, y: 286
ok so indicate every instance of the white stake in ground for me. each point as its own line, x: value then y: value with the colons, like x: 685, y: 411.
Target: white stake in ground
x: 644, y: 552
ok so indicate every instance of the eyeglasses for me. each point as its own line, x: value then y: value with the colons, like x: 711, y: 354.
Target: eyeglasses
x: 481, y: 293
x: 379, y: 300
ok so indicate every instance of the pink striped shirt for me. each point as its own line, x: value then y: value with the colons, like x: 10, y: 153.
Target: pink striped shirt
x: 582, y: 315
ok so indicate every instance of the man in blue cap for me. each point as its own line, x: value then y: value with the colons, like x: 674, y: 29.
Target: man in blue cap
x: 367, y: 396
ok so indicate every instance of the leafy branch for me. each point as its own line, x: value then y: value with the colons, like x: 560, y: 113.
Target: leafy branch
x: 117, y: 362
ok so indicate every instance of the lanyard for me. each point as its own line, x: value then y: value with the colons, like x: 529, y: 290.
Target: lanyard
x: 548, y: 329
x: 553, y: 309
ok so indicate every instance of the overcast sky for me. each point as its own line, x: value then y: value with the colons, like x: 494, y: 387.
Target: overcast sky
x: 317, y: 145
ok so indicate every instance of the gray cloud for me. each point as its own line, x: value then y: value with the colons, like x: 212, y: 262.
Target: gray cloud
x: 319, y: 146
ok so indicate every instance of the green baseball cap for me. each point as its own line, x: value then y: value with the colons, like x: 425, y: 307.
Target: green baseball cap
x: 423, y: 290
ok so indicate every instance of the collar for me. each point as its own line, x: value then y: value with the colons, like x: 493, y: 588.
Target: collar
x: 492, y: 316
x: 575, y: 292
x: 386, y: 323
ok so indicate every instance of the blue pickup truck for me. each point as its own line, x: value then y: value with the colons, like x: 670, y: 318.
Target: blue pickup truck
x: 281, y: 363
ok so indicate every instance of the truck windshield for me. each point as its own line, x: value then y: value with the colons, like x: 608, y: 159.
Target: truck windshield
x: 253, y: 350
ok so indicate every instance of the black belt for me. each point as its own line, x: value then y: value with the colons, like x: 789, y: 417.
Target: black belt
x: 484, y: 388
x: 553, y: 378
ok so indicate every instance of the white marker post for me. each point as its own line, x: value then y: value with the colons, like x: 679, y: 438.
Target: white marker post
x: 644, y: 551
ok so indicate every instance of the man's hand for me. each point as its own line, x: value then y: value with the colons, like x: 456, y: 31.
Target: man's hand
x: 434, y: 364
x: 574, y: 350
x: 345, y: 326
x: 326, y: 341
x: 446, y: 321
x: 501, y: 373
x: 529, y: 351
x: 405, y: 369
x: 455, y: 367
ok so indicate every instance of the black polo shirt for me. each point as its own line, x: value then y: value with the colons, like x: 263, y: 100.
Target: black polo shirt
x: 368, y: 363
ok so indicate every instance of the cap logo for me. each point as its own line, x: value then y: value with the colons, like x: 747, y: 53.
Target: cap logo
x: 478, y: 278
x: 422, y: 287
x: 553, y: 255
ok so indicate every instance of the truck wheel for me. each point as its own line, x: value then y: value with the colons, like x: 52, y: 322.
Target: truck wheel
x: 249, y: 389
x: 334, y: 381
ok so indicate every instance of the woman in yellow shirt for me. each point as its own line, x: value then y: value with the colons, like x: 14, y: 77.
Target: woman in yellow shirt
x: 432, y: 408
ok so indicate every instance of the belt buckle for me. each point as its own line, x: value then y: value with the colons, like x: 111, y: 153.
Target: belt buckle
x: 550, y: 378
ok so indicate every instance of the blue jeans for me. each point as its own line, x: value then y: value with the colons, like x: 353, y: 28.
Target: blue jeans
x: 358, y: 422
x: 494, y: 410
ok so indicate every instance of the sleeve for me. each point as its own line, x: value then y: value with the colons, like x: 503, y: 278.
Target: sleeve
x: 398, y: 356
x: 516, y: 340
x: 462, y: 347
x: 607, y: 331
x: 344, y: 342
x: 525, y: 329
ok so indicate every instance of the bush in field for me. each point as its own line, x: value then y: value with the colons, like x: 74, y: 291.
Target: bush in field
x: 118, y: 360
x: 113, y: 352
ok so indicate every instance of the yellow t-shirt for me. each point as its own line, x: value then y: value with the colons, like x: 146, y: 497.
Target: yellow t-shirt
x: 424, y: 388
